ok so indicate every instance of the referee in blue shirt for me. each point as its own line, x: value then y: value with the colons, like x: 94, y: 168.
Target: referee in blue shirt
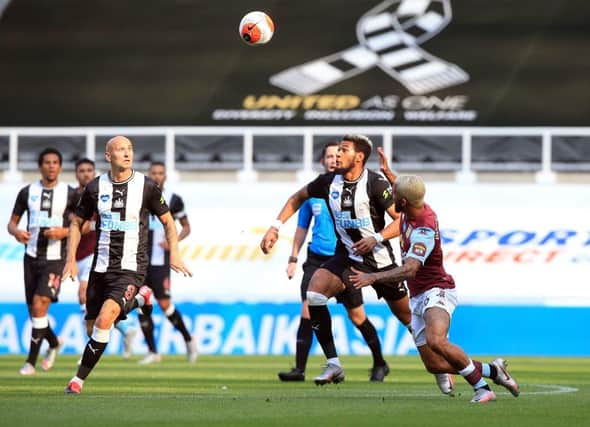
x: 320, y: 249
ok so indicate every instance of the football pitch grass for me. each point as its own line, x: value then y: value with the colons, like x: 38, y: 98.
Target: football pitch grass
x: 244, y: 391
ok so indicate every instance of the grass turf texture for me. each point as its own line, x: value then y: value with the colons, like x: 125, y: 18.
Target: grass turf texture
x: 245, y: 391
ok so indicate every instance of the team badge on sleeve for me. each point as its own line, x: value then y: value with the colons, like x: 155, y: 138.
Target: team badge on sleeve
x: 419, y: 249
x: 162, y: 201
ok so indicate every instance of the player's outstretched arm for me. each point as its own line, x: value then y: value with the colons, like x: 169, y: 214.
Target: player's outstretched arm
x: 176, y: 262
x: 293, y: 204
x: 407, y: 271
x: 384, y: 166
x: 360, y: 279
x: 183, y: 234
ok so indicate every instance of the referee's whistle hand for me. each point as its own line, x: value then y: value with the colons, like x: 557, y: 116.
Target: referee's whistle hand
x: 291, y: 269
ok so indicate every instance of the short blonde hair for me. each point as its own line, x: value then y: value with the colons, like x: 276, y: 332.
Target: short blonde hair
x: 412, y: 188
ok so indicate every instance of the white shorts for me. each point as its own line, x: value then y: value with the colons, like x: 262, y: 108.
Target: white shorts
x: 435, y: 297
x: 84, y: 266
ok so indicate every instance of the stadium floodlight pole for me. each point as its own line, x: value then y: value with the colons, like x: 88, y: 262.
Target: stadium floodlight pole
x: 389, y: 36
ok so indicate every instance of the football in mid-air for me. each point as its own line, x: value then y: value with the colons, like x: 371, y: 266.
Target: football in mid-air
x: 256, y: 28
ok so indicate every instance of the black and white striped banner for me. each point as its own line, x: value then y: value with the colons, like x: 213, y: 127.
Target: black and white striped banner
x: 389, y: 36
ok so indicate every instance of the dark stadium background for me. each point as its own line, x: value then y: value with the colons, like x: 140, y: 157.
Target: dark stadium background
x: 131, y: 62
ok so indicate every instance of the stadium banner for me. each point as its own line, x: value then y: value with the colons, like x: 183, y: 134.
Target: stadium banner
x: 373, y: 62
x: 270, y: 329
x: 519, y: 256
x: 505, y: 244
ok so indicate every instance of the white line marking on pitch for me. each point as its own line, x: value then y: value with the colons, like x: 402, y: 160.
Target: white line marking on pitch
x: 551, y: 389
x: 548, y: 389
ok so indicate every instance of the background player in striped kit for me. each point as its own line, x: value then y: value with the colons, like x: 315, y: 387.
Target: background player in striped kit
x: 321, y: 248
x: 48, y: 203
x: 86, y: 172
x: 158, y: 272
x: 123, y: 199
x: 433, y: 295
x: 358, y: 199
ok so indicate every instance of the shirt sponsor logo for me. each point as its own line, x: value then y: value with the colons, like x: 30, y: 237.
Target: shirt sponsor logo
x: 111, y: 221
x: 343, y: 220
x: 42, y: 219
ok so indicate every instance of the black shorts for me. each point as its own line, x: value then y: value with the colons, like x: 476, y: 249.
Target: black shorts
x: 311, y: 264
x: 42, y: 278
x: 340, y: 265
x: 121, y: 286
x: 158, y: 279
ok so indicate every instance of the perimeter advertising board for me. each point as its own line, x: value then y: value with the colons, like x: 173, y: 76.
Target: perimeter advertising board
x: 520, y: 263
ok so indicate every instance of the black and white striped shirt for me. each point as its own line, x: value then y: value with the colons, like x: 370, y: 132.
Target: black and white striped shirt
x: 157, y: 255
x: 46, y: 208
x: 358, y: 210
x: 123, y: 210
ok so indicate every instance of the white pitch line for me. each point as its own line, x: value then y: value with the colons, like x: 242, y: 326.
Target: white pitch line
x: 557, y: 389
x: 380, y: 393
x: 549, y: 390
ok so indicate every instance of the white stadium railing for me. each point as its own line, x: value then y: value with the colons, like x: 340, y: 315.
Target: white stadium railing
x: 248, y: 172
